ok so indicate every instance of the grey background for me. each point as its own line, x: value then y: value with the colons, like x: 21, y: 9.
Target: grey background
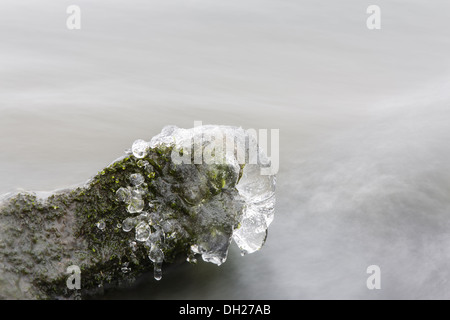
x: 363, y: 116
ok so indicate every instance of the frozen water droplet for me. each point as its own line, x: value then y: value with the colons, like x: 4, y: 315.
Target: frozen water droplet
x: 136, y: 205
x: 136, y: 179
x: 101, y: 225
x: 157, y: 271
x: 128, y: 224
x: 123, y: 194
x: 133, y: 245
x: 143, y: 232
x: 139, y: 148
x: 119, y: 225
x: 156, y: 254
x: 157, y: 257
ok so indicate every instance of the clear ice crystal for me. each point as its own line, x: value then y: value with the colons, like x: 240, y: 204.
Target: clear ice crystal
x: 128, y: 224
x: 214, y: 247
x: 136, y: 179
x: 139, y: 148
x: 143, y: 232
x: 143, y: 217
x: 157, y: 237
x: 156, y: 254
x: 123, y: 194
x: 138, y: 192
x: 135, y: 205
x: 155, y: 218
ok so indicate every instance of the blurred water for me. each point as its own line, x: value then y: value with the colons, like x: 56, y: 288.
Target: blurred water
x: 363, y: 118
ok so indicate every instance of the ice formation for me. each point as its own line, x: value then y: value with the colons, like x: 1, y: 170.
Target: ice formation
x: 206, y: 195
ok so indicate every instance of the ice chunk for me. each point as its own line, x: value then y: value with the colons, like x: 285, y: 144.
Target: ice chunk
x: 135, y: 205
x: 216, y: 194
x: 251, y: 234
x: 128, y: 224
x: 258, y: 192
x: 143, y: 232
x: 123, y: 194
x: 139, y: 148
x: 136, y: 179
x: 214, y: 247
x: 138, y: 192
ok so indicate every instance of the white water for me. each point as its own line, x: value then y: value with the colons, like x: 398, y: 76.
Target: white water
x: 363, y: 116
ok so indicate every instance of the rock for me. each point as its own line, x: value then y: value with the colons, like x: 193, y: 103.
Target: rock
x: 156, y: 205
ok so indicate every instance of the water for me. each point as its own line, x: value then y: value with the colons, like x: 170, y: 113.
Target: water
x: 363, y: 116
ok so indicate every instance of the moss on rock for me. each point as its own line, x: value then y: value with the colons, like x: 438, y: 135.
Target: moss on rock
x: 41, y: 237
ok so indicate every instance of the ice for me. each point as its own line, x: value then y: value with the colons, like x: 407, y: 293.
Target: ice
x: 138, y: 192
x: 133, y: 245
x: 135, y: 205
x: 139, y: 148
x: 251, y: 234
x: 191, y: 259
x: 214, y: 247
x: 156, y: 254
x: 136, y: 179
x: 143, y: 232
x: 143, y: 217
x: 157, y: 271
x: 155, y: 218
x: 123, y: 194
x: 125, y: 268
x: 223, y: 197
x: 101, y: 225
x: 157, y: 257
x: 258, y: 191
x: 128, y: 224
x: 157, y: 237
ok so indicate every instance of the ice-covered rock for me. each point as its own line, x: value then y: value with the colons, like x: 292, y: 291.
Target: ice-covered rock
x: 185, y: 192
x: 216, y: 173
